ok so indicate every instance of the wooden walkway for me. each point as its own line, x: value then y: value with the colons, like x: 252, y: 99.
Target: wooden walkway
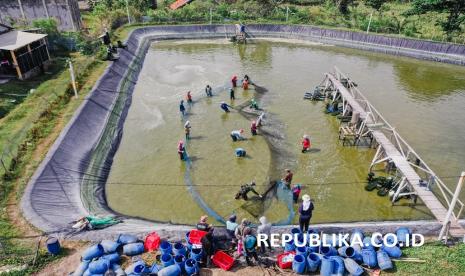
x: 431, y: 201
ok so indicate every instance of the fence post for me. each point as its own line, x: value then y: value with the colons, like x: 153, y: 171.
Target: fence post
x: 369, y: 22
x: 211, y: 16
x: 452, y: 206
x: 73, y: 78
x: 287, y: 14
x: 127, y: 11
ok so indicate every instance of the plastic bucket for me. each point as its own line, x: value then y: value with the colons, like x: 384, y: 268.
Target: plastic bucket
x: 313, y: 262
x: 92, y: 252
x: 301, y: 251
x: 110, y: 246
x: 152, y: 242
x: 356, y: 233
x: 289, y: 246
x: 393, y: 252
x: 328, y: 251
x: 99, y: 266
x: 350, y: 252
x: 338, y: 268
x: 295, y: 231
x: 53, y: 245
x: 179, y: 249
x: 353, y: 267
x: 154, y: 269
x: 327, y: 266
x: 367, y: 243
x: 191, y: 266
x: 384, y: 262
x: 196, y: 254
x: 172, y: 270
x: 166, y: 247
x: 369, y: 257
x: 126, y: 239
x: 112, y: 258
x: 402, y: 234
x: 179, y: 260
x: 298, y: 265
x: 166, y: 260
x: 133, y: 249
x: 82, y: 267
x: 136, y: 268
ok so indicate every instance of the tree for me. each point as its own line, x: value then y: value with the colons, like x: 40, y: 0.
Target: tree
x: 454, y: 8
x: 375, y: 4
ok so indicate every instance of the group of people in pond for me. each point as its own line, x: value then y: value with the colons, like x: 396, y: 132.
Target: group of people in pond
x: 243, y: 236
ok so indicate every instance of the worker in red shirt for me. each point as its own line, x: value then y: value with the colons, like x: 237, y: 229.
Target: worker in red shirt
x: 234, y: 81
x: 189, y: 97
x: 306, y: 144
x: 287, y: 180
x: 253, y: 128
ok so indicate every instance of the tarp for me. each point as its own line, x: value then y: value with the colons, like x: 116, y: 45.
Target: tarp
x: 70, y: 182
x: 13, y: 40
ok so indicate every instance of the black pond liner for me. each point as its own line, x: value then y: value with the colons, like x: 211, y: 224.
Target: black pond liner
x: 70, y: 181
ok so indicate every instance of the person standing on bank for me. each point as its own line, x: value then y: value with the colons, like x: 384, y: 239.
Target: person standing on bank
x: 305, y: 213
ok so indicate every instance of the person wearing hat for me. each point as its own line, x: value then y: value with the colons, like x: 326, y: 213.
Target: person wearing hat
x: 264, y: 228
x: 253, y: 128
x: 187, y: 130
x: 305, y: 213
x: 181, y: 150
x: 203, y: 225
x: 306, y: 144
x: 237, y: 135
x: 250, y: 246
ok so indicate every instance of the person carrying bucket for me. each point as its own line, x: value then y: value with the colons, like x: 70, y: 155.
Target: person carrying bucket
x: 234, y: 81
x: 296, y: 192
x: 225, y: 107
x: 187, y: 130
x: 208, y: 90
x: 181, y: 150
x: 287, y: 179
x: 182, y: 109
x: 189, y: 97
x: 305, y: 213
x: 237, y: 135
x: 306, y: 144
x: 231, y: 94
x: 253, y: 128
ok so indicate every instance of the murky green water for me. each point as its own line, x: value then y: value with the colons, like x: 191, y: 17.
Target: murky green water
x: 423, y: 100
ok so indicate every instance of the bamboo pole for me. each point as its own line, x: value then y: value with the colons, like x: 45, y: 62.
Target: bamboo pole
x: 15, y: 62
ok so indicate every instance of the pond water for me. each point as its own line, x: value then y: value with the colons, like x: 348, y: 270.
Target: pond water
x: 423, y: 100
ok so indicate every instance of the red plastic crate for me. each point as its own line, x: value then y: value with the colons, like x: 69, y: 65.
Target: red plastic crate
x: 223, y: 260
x: 152, y: 242
x: 195, y: 236
x: 281, y: 263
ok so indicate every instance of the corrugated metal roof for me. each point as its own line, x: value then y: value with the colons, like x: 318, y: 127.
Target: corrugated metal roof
x: 16, y: 39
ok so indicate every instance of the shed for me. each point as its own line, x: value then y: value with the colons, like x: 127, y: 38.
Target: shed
x: 23, y: 52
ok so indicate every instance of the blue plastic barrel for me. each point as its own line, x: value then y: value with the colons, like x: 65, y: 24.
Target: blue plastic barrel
x: 53, y: 245
x: 186, y: 237
x: 126, y: 239
x: 154, y: 269
x: 367, y: 243
x: 302, y: 250
x: 99, y: 266
x: 300, y: 240
x: 353, y: 267
x: 172, y: 270
x: 369, y: 257
x: 133, y: 249
x: 166, y: 260
x: 180, y: 260
x: 179, y: 249
x: 350, y: 252
x: 313, y: 262
x: 136, y: 268
x: 295, y: 231
x: 113, y: 258
x: 196, y: 254
x: 393, y: 252
x: 384, y: 262
x: 166, y: 247
x: 298, y: 264
x: 289, y: 246
x: 402, y: 234
x: 328, y: 251
x: 110, y: 246
x: 327, y: 266
x: 191, y: 266
x: 117, y: 269
x: 92, y: 252
x: 358, y: 233
x: 82, y: 267
x: 338, y: 268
